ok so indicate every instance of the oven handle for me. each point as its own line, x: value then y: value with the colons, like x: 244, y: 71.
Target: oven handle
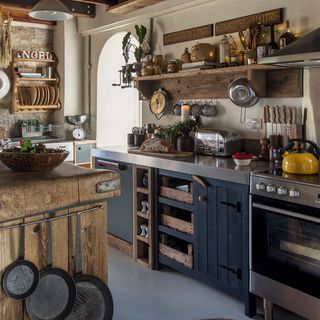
x: 287, y: 213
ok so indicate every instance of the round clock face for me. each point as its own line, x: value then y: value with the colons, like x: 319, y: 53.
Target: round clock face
x: 79, y: 133
x: 158, y: 102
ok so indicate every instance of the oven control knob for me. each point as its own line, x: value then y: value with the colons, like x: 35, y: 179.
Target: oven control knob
x: 282, y: 191
x: 261, y: 186
x: 271, y: 188
x: 294, y: 193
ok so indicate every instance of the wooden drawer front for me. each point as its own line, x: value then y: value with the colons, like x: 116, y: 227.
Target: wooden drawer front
x: 83, y: 153
x: 177, y: 195
x: 88, y: 186
x: 12, y: 202
x: 40, y: 197
x: 183, y: 258
x: 177, y: 224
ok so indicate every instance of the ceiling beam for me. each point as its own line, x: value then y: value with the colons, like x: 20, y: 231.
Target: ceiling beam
x: 77, y: 8
x: 92, y: 1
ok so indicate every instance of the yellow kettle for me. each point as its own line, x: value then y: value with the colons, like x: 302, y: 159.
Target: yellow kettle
x: 301, y: 161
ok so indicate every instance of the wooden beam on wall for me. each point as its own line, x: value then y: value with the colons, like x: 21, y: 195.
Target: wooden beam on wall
x: 77, y: 8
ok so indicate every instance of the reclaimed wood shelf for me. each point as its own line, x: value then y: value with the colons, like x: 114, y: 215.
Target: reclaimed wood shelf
x: 143, y: 251
x: 22, y: 105
x: 128, y: 6
x: 268, y: 81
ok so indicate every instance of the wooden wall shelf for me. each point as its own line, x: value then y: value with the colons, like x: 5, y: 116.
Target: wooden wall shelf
x: 269, y: 82
x: 43, y: 100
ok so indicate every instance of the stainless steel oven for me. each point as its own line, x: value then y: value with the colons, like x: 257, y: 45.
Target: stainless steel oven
x: 285, y: 245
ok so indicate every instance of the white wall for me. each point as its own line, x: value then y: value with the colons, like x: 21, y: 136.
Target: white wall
x: 175, y: 15
x: 115, y: 106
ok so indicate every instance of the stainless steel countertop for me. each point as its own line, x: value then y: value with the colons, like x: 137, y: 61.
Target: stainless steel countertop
x: 205, y: 166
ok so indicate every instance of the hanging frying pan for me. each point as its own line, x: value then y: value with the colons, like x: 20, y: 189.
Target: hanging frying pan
x: 21, y: 278
x: 94, y: 300
x: 55, y: 295
x: 243, y: 95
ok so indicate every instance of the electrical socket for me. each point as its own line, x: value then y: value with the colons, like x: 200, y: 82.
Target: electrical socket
x: 253, y: 123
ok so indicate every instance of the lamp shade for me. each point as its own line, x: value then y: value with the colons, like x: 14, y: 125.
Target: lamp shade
x: 51, y: 10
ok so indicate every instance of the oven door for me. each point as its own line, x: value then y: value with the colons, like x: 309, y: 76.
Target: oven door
x: 285, y: 243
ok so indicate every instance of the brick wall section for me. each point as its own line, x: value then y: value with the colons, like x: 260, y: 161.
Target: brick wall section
x: 24, y: 38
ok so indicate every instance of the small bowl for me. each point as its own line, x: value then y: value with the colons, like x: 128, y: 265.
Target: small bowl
x: 242, y: 162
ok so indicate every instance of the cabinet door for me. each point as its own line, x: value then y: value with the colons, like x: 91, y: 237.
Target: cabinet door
x: 225, y: 237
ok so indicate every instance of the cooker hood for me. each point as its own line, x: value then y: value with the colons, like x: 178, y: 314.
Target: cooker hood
x: 302, y: 53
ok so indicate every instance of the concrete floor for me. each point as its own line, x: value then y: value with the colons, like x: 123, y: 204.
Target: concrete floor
x: 142, y: 294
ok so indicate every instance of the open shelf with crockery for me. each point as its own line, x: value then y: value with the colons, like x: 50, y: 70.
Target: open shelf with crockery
x: 35, y: 82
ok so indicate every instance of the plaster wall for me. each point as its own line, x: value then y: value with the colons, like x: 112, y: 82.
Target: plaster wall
x: 175, y: 15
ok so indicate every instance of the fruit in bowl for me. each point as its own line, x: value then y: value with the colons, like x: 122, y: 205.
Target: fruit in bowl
x: 32, y: 158
x: 242, y: 158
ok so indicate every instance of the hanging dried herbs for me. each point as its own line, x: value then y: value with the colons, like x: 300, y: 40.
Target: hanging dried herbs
x: 5, y: 41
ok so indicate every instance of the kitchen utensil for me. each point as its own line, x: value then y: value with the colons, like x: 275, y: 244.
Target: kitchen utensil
x: 177, y: 109
x: 21, y: 278
x: 77, y: 120
x: 242, y: 94
x: 264, y: 153
x: 209, y: 110
x: 158, y: 103
x: 55, y: 295
x: 289, y: 122
x: 304, y: 123
x: 277, y: 120
x: 301, y: 161
x: 294, y: 123
x: 94, y: 299
x: 4, y: 84
x: 196, y: 109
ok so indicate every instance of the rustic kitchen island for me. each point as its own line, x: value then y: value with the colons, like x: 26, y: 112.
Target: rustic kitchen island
x: 32, y: 197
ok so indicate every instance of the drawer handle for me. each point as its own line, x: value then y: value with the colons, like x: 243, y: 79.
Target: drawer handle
x: 236, y: 205
x: 202, y: 198
x: 112, y: 165
x: 237, y: 271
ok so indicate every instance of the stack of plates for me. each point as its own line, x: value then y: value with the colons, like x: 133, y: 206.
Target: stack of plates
x: 38, y: 96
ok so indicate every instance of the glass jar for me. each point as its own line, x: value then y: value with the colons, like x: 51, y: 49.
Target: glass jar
x: 147, y: 68
x: 172, y: 66
x: 157, y: 61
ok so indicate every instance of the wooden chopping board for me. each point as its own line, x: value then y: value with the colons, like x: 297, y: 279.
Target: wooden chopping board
x: 176, y: 154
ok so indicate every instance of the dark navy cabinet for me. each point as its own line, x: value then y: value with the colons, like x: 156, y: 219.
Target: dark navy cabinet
x: 226, y: 223
x: 220, y: 239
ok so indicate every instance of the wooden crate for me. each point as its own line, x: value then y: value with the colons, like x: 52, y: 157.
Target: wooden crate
x: 183, y: 258
x: 177, y: 224
x: 177, y: 195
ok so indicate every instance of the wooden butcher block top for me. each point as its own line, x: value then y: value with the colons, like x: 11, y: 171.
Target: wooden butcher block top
x: 24, y: 194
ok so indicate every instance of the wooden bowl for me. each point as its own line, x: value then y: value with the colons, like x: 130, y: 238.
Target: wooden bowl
x: 32, y: 162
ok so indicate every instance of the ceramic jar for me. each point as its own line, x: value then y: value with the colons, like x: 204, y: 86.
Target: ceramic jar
x: 185, y: 143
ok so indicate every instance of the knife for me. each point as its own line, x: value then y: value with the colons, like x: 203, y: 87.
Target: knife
x: 294, y: 123
x: 273, y: 118
x: 268, y: 120
x: 265, y: 120
x: 289, y: 122
x: 277, y: 120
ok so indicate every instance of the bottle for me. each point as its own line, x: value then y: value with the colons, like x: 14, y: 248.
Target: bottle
x: 262, y: 44
x: 272, y: 46
x: 287, y: 37
x: 224, y: 50
x: 186, y: 56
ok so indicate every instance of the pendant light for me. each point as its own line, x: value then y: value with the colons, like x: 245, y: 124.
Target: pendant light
x: 51, y: 10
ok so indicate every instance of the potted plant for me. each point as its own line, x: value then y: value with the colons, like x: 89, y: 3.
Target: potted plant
x: 180, y: 131
x: 139, y: 51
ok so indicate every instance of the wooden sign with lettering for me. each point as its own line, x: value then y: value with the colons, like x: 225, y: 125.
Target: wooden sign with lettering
x: 239, y: 24
x: 188, y: 34
x: 34, y: 54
